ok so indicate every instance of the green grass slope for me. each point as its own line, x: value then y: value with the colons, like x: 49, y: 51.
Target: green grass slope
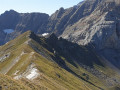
x: 59, y: 64
x: 7, y: 83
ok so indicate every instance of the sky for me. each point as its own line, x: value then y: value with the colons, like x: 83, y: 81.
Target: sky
x: 43, y: 6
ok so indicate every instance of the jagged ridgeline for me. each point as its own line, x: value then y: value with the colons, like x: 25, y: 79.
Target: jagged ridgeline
x: 116, y: 1
x: 39, y: 62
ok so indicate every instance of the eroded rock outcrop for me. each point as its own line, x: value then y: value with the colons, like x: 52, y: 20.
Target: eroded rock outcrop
x: 101, y: 29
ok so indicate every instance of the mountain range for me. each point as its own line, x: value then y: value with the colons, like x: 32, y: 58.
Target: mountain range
x: 77, y: 48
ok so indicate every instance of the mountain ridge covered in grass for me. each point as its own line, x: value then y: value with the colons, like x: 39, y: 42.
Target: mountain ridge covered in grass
x: 54, y: 63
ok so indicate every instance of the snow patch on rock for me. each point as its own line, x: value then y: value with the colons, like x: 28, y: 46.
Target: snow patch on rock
x: 33, y: 74
x: 45, y: 34
x: 8, y: 31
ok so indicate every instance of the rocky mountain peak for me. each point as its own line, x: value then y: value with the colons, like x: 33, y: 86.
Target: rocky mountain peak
x: 80, y: 3
x: 11, y: 12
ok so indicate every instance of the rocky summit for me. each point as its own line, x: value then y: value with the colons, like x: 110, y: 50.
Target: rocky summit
x: 19, y: 23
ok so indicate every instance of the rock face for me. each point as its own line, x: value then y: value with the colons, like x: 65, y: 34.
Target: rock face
x: 21, y: 22
x: 100, y: 28
x: 59, y: 20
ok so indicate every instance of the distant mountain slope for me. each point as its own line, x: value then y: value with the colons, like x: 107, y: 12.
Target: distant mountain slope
x: 20, y: 23
x: 88, y: 23
x: 40, y: 23
x: 100, y: 27
x: 37, y: 22
x: 54, y: 63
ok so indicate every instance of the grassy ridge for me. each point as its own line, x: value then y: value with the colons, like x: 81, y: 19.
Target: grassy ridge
x: 58, y: 65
